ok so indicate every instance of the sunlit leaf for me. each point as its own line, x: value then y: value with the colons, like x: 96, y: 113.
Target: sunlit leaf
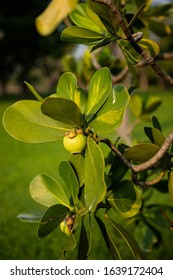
x: 110, y: 116
x: 46, y: 191
x: 67, y: 88
x: 25, y: 121
x: 83, y: 16
x: 125, y: 199
x: 99, y: 90
x: 95, y: 187
x: 135, y: 105
x: 150, y: 46
x: 62, y: 110
x: 51, y: 219
x: 52, y: 16
x: 129, y: 52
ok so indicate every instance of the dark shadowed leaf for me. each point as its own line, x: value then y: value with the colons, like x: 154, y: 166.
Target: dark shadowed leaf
x: 62, y: 110
x: 51, y: 219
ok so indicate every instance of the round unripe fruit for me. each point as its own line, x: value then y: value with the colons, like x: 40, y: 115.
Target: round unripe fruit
x: 64, y: 227
x: 74, y: 142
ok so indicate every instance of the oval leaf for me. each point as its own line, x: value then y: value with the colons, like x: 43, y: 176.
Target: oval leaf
x: 141, y: 152
x: 95, y: 187
x: 51, y: 219
x: 110, y: 116
x: 125, y: 199
x: 84, y: 17
x: 79, y: 35
x: 67, y: 88
x: 99, y: 90
x: 62, y: 110
x: 155, y: 135
x: 25, y: 122
x: 46, y: 191
x: 68, y: 175
x: 51, y: 17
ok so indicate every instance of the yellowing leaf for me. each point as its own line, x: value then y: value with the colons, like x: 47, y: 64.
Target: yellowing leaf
x: 51, y: 17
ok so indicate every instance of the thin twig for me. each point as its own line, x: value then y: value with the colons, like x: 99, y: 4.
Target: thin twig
x: 151, y: 182
x: 129, y: 36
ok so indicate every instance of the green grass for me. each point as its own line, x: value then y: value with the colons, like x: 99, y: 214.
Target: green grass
x: 20, y: 162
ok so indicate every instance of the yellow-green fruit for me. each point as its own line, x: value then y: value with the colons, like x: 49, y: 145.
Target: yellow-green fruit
x: 76, y: 144
x: 64, y: 228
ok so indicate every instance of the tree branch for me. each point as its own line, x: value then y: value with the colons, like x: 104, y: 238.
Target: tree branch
x: 143, y: 166
x: 129, y: 36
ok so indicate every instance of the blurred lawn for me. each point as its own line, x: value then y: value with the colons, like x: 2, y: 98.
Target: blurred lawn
x: 20, y: 162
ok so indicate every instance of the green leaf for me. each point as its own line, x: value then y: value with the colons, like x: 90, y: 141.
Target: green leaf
x: 67, y: 88
x: 51, y: 219
x: 152, y: 104
x: 46, y: 191
x: 83, y: 16
x: 170, y: 184
x: 156, y: 123
x: 155, y: 135
x: 129, y: 52
x: 130, y: 242
x: 160, y: 28
x: 125, y: 199
x: 68, y: 175
x: 141, y: 152
x: 69, y: 246
x: 78, y: 163
x: 99, y: 90
x: 34, y: 217
x: 31, y: 88
x: 110, y: 116
x: 25, y: 122
x: 150, y: 46
x: 95, y: 187
x: 79, y: 35
x: 62, y: 110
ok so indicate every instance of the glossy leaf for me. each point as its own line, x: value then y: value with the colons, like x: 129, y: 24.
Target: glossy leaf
x: 51, y: 219
x: 83, y: 16
x: 99, y: 90
x: 150, y: 46
x: 68, y: 175
x: 51, y: 17
x: 62, y: 110
x: 110, y: 116
x: 130, y: 242
x: 46, y: 191
x: 155, y: 135
x: 141, y: 152
x: 95, y: 187
x: 170, y: 184
x: 34, y: 217
x: 25, y: 122
x: 79, y: 35
x: 125, y: 199
x: 67, y: 88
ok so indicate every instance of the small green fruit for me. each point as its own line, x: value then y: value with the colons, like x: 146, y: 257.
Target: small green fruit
x: 64, y: 227
x: 74, y: 142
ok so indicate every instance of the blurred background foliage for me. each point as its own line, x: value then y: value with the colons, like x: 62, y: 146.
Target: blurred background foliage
x: 26, y: 55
